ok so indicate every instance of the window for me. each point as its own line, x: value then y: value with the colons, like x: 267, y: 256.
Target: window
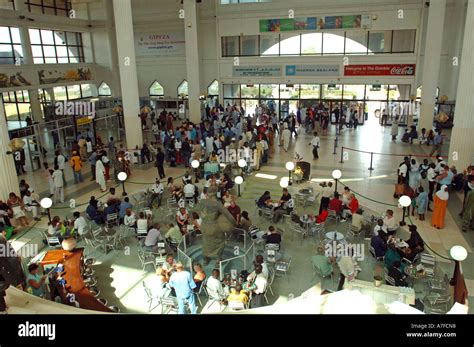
x: 354, y: 91
x: 403, y: 41
x: 289, y: 91
x: 290, y: 44
x: 88, y: 90
x: 183, y: 89
x: 52, y: 47
x: 11, y: 51
x: 230, y: 46
x: 269, y: 45
x: 269, y: 91
x: 156, y: 89
x: 380, y: 41
x: 60, y: 93
x: 249, y: 45
x: 310, y: 91
x: 333, y: 43
x: 104, y: 89
x: 311, y: 43
x: 51, y: 7
x: 249, y: 91
x: 332, y: 91
x: 213, y: 88
x: 17, y: 108
x: 356, y: 42
x: 231, y: 91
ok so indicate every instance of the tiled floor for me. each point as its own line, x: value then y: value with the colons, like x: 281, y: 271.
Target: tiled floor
x: 121, y: 275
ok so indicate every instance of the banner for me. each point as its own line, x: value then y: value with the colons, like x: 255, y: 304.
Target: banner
x: 312, y: 70
x: 162, y: 44
x: 380, y: 70
x: 71, y: 75
x: 259, y: 71
x: 314, y: 23
x: 13, y: 80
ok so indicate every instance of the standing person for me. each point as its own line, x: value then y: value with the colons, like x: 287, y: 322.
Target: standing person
x: 286, y: 136
x: 326, y: 195
x: 261, y: 287
x: 76, y: 164
x: 92, y: 161
x: 89, y: 147
x: 422, y: 201
x: 437, y: 143
x: 275, y: 123
x: 111, y: 147
x: 106, y: 161
x: 58, y: 180
x: 355, y: 119
x: 394, y: 129
x: 49, y: 175
x: 439, y: 207
x: 60, y: 161
x: 82, y: 147
x: 431, y: 176
x: 315, y: 142
x: 160, y: 160
x: 100, y: 174
x: 183, y: 284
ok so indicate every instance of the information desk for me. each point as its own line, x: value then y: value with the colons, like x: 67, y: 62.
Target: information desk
x: 72, y: 262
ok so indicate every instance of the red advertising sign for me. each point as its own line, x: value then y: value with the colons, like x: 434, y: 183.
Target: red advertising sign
x: 380, y: 70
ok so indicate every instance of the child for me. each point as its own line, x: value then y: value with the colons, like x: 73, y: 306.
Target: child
x: 422, y: 203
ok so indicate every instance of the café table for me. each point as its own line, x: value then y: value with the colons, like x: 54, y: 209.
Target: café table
x: 334, y: 236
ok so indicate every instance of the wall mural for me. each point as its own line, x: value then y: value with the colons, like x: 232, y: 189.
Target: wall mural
x: 56, y: 76
x: 16, y: 80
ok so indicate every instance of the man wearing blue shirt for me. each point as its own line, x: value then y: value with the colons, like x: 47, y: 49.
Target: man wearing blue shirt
x: 437, y: 143
x: 183, y: 284
x: 123, y: 207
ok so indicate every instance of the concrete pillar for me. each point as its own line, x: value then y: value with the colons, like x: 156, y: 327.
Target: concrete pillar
x: 461, y: 148
x: 9, y: 181
x: 112, y: 45
x: 128, y: 72
x: 431, y: 62
x: 192, y: 59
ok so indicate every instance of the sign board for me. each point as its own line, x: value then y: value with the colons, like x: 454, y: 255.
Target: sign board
x: 315, y: 23
x: 380, y: 70
x: 163, y: 44
x: 312, y: 70
x: 257, y: 71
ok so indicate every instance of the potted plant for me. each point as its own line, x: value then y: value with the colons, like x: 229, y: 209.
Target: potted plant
x: 378, y: 277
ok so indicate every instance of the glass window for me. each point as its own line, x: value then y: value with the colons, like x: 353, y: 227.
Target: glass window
x: 356, y: 42
x: 60, y: 93
x: 5, y: 35
x: 379, y: 41
x: 183, y: 89
x: 104, y: 89
x: 354, y: 91
x: 376, y: 92
x: 269, y: 91
x: 17, y: 108
x: 249, y: 45
x: 310, y: 91
x: 332, y: 91
x: 72, y: 38
x: 47, y: 37
x: 230, y: 46
x: 269, y: 44
x: 51, y: 7
x: 311, y: 43
x: 232, y: 91
x: 156, y: 89
x: 15, y: 35
x: 54, y: 47
x: 11, y: 50
x: 249, y: 90
x: 403, y: 41
x: 213, y: 88
x: 88, y: 90
x: 60, y: 38
x: 35, y: 37
x: 74, y: 92
x: 333, y: 43
x: 290, y: 44
x: 61, y: 51
x: 289, y: 91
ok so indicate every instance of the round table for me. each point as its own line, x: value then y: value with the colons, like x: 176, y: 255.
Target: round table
x: 306, y: 221
x: 331, y: 236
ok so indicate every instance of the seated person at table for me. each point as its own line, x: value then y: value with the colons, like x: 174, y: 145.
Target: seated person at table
x: 199, y: 276
x: 335, y: 204
x: 80, y: 223
x: 322, y: 216
x: 351, y: 208
x: 392, y: 255
x: 159, y: 282
x: 124, y: 205
x: 285, y: 206
x: 157, y: 191
x: 321, y: 262
x: 214, y: 287
x: 226, y: 199
x: 31, y: 203
x: 390, y: 222
x: 273, y: 236
x: 142, y: 222
x: 359, y: 224
x: 265, y: 201
x: 92, y: 211
x: 415, y: 243
x: 169, y: 265
x: 245, y: 221
x: 379, y: 244
x: 237, y: 294
x: 130, y: 219
x: 182, y: 216
x: 113, y: 197
x: 227, y: 182
x: 189, y: 191
x: 152, y: 238
x: 35, y: 282
x: 346, y: 196
x: 173, y: 234
x: 380, y: 227
x: 234, y: 210
x: 111, y: 209
x: 187, y: 178
x: 194, y: 223
x: 395, y: 271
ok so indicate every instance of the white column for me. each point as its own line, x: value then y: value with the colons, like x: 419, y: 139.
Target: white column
x: 128, y: 72
x: 112, y: 45
x: 431, y: 62
x: 461, y: 148
x: 9, y: 181
x: 192, y: 59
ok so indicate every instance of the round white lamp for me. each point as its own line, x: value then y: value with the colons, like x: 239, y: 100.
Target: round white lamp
x: 242, y: 163
x: 239, y: 180
x: 458, y: 253
x: 284, y: 182
x: 122, y: 177
x: 404, y: 201
x: 290, y: 166
x: 336, y: 174
x: 195, y: 164
x: 46, y: 203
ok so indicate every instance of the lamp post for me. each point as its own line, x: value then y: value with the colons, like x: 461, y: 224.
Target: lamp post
x: 459, y: 254
x: 242, y: 163
x: 195, y: 165
x: 238, y: 180
x: 122, y: 176
x: 284, y: 182
x: 336, y: 174
x: 404, y: 201
x: 46, y: 203
x: 290, y: 166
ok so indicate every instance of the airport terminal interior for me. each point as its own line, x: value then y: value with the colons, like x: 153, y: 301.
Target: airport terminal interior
x: 236, y: 156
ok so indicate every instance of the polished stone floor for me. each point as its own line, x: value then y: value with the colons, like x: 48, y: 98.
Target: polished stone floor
x: 120, y: 274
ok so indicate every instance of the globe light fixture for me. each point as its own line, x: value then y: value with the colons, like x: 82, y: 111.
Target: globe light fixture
x: 46, y: 203
x: 458, y: 253
x: 336, y: 174
x: 238, y: 180
x: 122, y: 177
x: 404, y: 201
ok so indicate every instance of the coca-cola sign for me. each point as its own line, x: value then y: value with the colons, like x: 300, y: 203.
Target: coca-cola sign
x: 380, y: 70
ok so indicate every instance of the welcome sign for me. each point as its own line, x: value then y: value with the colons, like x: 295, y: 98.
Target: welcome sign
x: 162, y: 44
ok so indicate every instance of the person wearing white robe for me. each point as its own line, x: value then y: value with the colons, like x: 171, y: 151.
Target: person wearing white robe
x: 100, y: 175
x: 286, y: 134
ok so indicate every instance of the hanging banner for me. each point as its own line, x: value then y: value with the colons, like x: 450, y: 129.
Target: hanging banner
x: 380, y: 70
x: 259, y: 71
x: 312, y: 70
x: 161, y: 44
x: 314, y: 23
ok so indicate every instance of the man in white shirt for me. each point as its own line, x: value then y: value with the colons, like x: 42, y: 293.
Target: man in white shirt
x: 326, y: 194
x: 157, y: 192
x: 130, y: 219
x: 153, y: 237
x: 347, y: 269
x: 80, y: 223
x: 31, y: 204
x: 390, y: 222
x: 315, y: 142
x: 214, y: 287
x: 58, y: 184
x: 261, y: 286
x: 439, y: 164
x: 189, y: 190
